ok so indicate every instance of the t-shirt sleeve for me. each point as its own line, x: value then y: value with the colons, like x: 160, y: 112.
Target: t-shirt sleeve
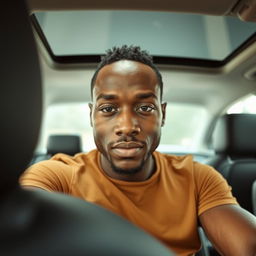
x: 211, y: 188
x: 50, y: 175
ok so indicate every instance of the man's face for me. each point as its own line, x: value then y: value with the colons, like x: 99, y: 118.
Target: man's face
x: 126, y: 116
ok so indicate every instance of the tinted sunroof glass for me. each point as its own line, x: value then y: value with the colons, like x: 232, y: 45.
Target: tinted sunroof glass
x: 161, y: 33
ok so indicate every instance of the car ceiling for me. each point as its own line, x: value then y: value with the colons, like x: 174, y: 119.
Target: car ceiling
x: 215, y: 88
x: 214, y: 7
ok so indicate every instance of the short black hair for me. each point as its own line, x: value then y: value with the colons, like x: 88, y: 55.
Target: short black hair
x: 127, y: 53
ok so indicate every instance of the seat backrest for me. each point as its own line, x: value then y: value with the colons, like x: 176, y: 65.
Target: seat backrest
x: 38, y: 222
x: 241, y: 175
x: 234, y: 141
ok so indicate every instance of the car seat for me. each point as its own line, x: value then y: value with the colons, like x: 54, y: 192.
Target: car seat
x: 234, y: 142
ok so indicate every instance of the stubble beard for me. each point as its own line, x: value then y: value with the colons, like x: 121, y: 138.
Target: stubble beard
x: 127, y: 172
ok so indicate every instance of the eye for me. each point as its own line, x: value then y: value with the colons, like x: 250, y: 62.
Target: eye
x: 146, y: 109
x: 108, y: 109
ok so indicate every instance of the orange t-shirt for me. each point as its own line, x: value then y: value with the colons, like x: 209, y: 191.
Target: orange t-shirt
x: 167, y: 205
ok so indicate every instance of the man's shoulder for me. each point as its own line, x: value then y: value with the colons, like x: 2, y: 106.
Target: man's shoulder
x: 57, y: 173
x: 182, y: 163
x: 73, y: 160
x: 174, y: 159
x: 63, y: 162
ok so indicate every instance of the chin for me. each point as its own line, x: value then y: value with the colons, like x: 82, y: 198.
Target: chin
x: 127, y: 170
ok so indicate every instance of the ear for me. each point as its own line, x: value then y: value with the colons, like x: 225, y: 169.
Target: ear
x: 91, y: 108
x: 163, y: 107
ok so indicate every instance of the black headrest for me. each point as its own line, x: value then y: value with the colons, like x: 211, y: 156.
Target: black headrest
x: 235, y: 135
x: 67, y: 144
x: 20, y: 84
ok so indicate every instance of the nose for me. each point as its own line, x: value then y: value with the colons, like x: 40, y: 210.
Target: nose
x: 127, y: 124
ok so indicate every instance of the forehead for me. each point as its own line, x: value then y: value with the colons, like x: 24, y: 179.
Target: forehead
x: 126, y: 75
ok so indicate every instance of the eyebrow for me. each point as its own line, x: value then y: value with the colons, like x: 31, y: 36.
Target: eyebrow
x: 139, y: 96
x: 106, y: 97
x: 142, y: 96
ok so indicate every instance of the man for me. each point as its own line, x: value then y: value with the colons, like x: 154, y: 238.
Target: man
x: 166, y: 195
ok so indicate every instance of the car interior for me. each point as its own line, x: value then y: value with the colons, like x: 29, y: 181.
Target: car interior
x: 206, y: 53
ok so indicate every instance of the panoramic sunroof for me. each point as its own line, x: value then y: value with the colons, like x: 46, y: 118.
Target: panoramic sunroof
x: 163, y: 34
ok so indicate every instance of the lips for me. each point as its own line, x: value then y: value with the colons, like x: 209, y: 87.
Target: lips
x: 127, y: 149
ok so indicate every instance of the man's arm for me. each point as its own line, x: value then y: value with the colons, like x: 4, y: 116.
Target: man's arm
x: 231, y: 229
x: 49, y: 175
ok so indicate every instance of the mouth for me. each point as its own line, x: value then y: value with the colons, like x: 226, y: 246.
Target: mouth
x: 127, y: 149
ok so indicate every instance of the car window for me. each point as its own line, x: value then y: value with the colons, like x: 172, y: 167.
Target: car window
x: 244, y: 105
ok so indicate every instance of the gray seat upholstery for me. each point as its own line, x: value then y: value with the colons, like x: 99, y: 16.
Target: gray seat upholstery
x: 37, y: 222
x: 234, y: 141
